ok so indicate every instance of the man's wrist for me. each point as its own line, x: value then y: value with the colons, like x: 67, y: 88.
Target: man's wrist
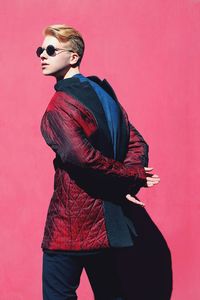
x: 139, y: 175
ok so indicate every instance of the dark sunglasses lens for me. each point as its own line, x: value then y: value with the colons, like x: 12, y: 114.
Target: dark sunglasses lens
x: 39, y: 51
x: 50, y: 50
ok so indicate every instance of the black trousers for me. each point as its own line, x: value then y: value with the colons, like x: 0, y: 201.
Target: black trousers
x: 62, y: 271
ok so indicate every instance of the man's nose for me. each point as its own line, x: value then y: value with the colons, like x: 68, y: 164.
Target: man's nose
x: 44, y: 54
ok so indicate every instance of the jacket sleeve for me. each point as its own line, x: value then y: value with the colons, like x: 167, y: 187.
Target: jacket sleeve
x: 138, y: 151
x: 67, y: 139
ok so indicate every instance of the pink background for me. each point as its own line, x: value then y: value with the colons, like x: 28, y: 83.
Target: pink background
x: 150, y: 52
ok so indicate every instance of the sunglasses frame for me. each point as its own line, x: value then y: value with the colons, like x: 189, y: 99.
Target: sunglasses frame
x: 50, y: 50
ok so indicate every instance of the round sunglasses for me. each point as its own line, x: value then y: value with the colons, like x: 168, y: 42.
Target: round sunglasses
x: 50, y: 50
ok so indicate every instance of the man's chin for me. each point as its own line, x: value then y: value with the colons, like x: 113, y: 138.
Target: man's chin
x: 46, y: 73
x: 54, y: 74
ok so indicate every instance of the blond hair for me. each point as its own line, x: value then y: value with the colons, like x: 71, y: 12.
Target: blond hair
x: 66, y: 33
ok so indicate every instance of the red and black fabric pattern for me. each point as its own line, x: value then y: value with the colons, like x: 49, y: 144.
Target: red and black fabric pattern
x: 86, y: 208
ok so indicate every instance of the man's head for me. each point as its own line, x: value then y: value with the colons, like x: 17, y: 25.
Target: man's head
x: 65, y: 52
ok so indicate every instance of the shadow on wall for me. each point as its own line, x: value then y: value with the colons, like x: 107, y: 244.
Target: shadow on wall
x: 145, y: 270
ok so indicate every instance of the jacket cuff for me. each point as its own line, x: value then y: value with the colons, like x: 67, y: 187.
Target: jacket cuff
x: 139, y: 175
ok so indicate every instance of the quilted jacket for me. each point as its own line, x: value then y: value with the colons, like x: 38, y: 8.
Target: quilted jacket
x: 87, y: 210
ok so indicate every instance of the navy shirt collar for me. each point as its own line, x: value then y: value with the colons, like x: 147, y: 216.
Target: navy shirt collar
x: 68, y: 81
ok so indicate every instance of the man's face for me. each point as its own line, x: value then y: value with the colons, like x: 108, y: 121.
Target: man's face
x: 59, y: 63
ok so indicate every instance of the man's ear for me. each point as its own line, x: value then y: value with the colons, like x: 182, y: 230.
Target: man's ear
x: 74, y: 58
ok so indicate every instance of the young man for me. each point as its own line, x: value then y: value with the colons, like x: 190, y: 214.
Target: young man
x: 100, y: 164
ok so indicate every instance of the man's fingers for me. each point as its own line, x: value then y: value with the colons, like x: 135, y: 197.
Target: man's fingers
x: 148, y: 168
x: 149, y: 184
x: 134, y: 200
x: 152, y: 182
x: 153, y: 178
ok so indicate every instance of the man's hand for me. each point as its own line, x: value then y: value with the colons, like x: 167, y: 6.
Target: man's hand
x: 152, y: 179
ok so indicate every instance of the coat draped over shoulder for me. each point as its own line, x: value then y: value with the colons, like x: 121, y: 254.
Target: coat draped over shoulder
x: 87, y: 210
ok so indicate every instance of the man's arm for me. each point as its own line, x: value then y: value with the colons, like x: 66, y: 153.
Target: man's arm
x: 138, y: 151
x: 67, y: 139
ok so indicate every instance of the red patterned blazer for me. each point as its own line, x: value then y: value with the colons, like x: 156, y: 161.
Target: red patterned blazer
x: 87, y: 210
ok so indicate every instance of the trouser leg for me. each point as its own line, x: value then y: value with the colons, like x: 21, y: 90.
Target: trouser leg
x: 101, y: 273
x: 60, y: 276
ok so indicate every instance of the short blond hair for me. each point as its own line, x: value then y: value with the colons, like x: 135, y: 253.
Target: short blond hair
x: 66, y: 33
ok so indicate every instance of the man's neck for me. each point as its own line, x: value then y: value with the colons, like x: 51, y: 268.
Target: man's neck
x: 71, y: 72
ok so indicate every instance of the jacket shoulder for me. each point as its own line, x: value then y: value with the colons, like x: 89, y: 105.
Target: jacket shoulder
x: 69, y: 107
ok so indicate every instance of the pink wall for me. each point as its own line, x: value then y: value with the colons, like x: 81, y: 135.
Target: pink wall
x: 150, y: 53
